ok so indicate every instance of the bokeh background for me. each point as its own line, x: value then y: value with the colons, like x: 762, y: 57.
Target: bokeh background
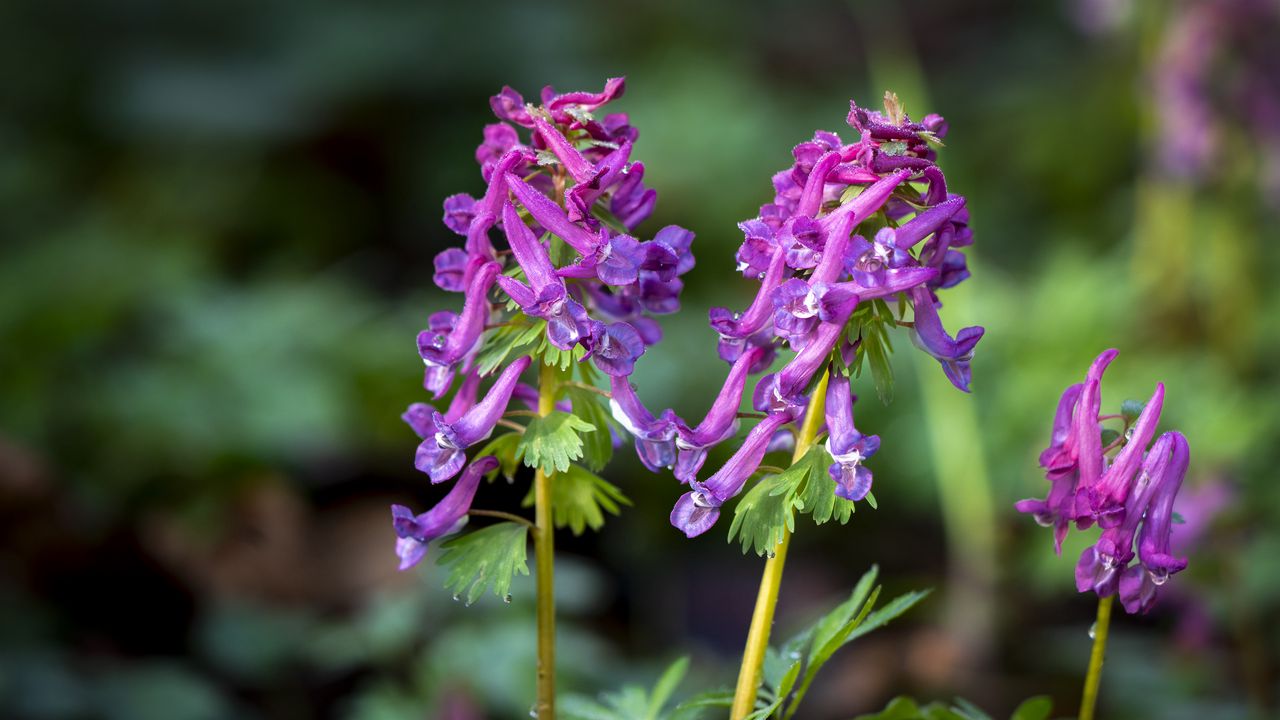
x: 218, y: 221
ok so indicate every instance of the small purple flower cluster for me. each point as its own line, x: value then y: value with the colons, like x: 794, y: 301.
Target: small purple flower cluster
x: 1214, y: 78
x: 571, y: 193
x: 814, y: 271
x: 1129, y: 482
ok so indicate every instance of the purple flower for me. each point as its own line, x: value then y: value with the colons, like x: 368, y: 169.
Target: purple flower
x: 1107, y: 497
x: 720, y: 423
x: 739, y: 325
x: 1102, y: 564
x: 631, y: 202
x: 865, y: 204
x: 447, y: 517
x: 953, y: 354
x: 848, y: 447
x: 795, y: 311
x: 1073, y: 461
x: 546, y: 296
x: 550, y: 216
x: 655, y: 437
x: 615, y: 348
x: 447, y: 348
x: 567, y: 107
x: 1138, y: 584
x: 444, y: 440
x: 697, y: 510
x: 454, y: 269
x: 459, y: 211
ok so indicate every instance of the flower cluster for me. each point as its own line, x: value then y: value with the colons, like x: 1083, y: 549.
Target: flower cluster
x: 1213, y: 86
x: 809, y: 251
x: 1126, y: 484
x: 573, y: 279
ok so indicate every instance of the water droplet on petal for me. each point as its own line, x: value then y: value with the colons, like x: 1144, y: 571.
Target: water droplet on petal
x: 1093, y: 631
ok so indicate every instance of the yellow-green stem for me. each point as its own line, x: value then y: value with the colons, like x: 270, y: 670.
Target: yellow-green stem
x: 744, y: 697
x: 1091, y: 681
x: 544, y: 564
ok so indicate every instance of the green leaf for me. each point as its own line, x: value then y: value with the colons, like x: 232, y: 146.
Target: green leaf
x: 697, y: 707
x: 486, y: 558
x: 503, y: 447
x: 817, y: 492
x: 557, y: 358
x: 905, y: 708
x: 1033, y: 708
x: 876, y: 345
x: 666, y: 686
x: 579, y: 499
x: 969, y: 711
x: 881, y: 617
x: 632, y: 702
x: 1131, y: 409
x: 552, y: 442
x: 591, y: 407
x: 1109, y: 436
x: 766, y: 511
x: 501, y: 342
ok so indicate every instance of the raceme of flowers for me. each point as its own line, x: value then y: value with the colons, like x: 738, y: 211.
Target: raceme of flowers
x: 820, y: 278
x: 1123, y: 481
x: 566, y: 198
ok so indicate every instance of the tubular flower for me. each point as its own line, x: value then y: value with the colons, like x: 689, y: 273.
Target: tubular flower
x: 847, y: 446
x: 698, y: 509
x: 446, y: 518
x: 445, y: 439
x: 1129, y: 494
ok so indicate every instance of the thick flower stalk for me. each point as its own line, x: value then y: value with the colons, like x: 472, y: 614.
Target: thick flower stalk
x: 553, y: 274
x: 1120, y: 480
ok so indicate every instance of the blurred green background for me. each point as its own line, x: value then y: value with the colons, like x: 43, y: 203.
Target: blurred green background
x: 218, y: 222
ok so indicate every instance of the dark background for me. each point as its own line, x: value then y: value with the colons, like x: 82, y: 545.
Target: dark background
x: 217, y: 225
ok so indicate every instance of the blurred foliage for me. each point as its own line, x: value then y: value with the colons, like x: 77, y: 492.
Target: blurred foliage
x: 218, y: 222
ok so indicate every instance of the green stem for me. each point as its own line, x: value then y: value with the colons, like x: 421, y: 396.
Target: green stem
x: 744, y: 697
x: 544, y: 563
x: 1096, y: 657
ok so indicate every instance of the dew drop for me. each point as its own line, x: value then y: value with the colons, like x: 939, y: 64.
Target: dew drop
x: 771, y: 554
x: 457, y: 597
x: 533, y: 710
x: 1093, y: 631
x: 794, y: 655
x: 507, y: 598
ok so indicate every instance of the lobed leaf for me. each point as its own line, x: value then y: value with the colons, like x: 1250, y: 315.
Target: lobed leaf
x: 591, y: 408
x: 552, y: 442
x: 484, y: 559
x: 579, y: 499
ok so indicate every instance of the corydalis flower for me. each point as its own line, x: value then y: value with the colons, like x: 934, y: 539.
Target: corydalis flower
x: 445, y: 439
x: 446, y: 518
x: 848, y: 447
x: 698, y: 509
x: 1130, y: 495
